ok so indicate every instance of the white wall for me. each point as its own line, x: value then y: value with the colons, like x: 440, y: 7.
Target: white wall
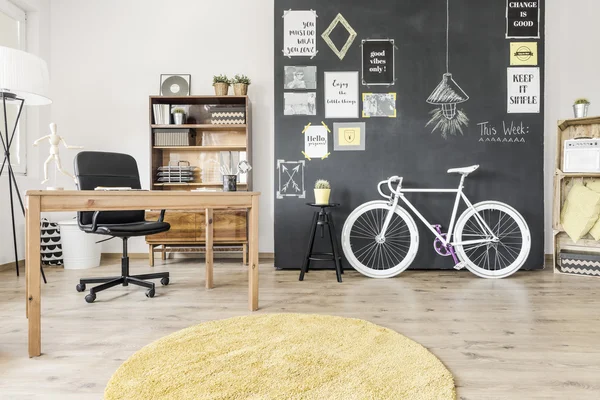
x: 572, y: 59
x: 107, y: 56
x: 38, y: 43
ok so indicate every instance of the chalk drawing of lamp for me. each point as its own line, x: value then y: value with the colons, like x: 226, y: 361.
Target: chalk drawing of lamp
x: 447, y: 94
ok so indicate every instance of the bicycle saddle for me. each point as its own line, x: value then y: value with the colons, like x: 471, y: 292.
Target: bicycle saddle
x: 464, y: 170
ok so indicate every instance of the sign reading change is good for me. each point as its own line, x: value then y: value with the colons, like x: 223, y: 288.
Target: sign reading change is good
x: 522, y: 19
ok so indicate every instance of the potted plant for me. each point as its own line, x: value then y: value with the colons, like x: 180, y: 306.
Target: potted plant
x: 179, y: 116
x: 221, y: 84
x: 240, y: 85
x: 580, y: 108
x: 322, y: 191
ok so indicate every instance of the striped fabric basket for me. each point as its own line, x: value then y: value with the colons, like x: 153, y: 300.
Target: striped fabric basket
x: 579, y: 264
x: 228, y: 115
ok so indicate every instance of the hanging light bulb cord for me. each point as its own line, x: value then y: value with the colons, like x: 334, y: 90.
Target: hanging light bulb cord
x: 447, y: 35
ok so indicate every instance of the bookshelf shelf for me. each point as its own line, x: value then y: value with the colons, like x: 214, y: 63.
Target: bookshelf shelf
x: 201, y: 143
x: 198, y: 184
x: 201, y: 148
x: 202, y: 126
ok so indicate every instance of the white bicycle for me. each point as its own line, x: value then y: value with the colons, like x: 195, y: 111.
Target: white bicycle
x: 380, y: 239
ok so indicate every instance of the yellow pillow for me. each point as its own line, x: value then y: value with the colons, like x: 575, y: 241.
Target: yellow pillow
x: 580, y: 211
x: 595, y: 231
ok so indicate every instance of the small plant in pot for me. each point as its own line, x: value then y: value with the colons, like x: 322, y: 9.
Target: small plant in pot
x: 240, y: 85
x: 322, y: 191
x: 580, y: 108
x: 221, y: 84
x: 179, y: 116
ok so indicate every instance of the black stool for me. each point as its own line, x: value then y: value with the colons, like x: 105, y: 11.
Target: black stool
x: 323, y: 218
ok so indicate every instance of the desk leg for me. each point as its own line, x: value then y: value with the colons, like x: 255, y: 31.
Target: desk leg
x: 26, y: 265
x: 209, y: 248
x: 253, y: 255
x: 32, y: 225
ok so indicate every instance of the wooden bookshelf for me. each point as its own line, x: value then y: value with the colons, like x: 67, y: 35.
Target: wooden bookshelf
x: 208, y: 141
x: 563, y: 182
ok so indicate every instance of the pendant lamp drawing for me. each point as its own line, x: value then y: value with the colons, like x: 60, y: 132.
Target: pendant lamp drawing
x: 447, y: 118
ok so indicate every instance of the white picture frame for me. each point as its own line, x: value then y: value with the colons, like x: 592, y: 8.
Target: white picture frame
x: 342, y: 94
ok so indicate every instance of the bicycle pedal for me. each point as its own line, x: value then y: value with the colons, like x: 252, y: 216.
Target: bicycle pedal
x: 460, y: 266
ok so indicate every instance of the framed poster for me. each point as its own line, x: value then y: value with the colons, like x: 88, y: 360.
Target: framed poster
x: 378, y: 62
x: 349, y: 136
x: 341, y: 95
x: 523, y: 90
x: 522, y: 19
x: 300, y: 33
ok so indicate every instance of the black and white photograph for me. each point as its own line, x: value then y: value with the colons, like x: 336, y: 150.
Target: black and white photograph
x: 379, y: 105
x: 300, y: 103
x: 300, y: 77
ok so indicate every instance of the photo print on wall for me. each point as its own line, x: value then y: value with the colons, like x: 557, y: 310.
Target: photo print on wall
x: 300, y: 77
x: 447, y: 94
x: 300, y: 33
x: 300, y: 103
x: 379, y: 105
x: 291, y: 179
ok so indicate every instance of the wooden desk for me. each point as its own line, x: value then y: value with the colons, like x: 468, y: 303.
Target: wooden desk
x: 39, y: 201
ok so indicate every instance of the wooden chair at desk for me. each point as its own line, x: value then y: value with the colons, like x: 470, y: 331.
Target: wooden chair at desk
x: 96, y: 169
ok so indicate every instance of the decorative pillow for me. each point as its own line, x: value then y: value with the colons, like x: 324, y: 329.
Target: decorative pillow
x: 580, y: 211
x: 595, y: 231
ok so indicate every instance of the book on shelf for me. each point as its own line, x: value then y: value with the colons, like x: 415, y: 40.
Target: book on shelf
x: 162, y: 114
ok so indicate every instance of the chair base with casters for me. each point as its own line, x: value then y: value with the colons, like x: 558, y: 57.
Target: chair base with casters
x: 125, y: 279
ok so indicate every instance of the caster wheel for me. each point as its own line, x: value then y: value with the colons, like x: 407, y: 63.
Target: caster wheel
x: 80, y: 287
x: 90, y: 297
x: 150, y: 293
x: 164, y: 281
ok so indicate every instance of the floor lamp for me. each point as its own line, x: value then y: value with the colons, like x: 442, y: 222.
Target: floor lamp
x: 24, y: 81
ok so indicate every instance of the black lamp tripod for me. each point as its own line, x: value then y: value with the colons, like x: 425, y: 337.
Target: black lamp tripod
x: 12, y: 181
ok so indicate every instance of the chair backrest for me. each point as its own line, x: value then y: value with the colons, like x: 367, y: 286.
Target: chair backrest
x: 96, y: 168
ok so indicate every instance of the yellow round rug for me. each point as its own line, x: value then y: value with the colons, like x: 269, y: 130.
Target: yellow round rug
x: 283, y: 356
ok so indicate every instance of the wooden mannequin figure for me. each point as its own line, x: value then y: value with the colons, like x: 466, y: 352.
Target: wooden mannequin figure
x: 54, y: 141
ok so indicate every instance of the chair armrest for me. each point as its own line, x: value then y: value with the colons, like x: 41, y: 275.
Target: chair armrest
x: 162, y: 216
x: 95, y: 221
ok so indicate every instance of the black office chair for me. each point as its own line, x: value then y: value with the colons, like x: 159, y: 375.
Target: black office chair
x: 93, y: 169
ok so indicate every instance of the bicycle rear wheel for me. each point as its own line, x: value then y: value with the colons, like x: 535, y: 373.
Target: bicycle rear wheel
x: 369, y: 254
x: 493, y: 260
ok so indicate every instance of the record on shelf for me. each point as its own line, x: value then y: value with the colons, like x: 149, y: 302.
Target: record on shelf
x: 175, y: 85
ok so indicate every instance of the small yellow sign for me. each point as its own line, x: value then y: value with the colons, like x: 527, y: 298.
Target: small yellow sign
x: 523, y: 53
x: 349, y: 136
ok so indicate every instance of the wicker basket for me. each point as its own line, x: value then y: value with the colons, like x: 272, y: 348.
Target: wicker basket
x: 240, y: 89
x: 221, y: 89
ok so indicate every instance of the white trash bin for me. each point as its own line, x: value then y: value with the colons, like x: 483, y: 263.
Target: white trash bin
x: 80, y: 250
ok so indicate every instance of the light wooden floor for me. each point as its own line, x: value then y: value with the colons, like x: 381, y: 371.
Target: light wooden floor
x: 533, y: 336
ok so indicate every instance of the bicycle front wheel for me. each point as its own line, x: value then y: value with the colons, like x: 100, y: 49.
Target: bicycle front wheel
x: 492, y: 259
x: 373, y: 255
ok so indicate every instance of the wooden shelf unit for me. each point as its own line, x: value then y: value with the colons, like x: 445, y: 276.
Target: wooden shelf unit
x: 563, y: 181
x: 230, y: 226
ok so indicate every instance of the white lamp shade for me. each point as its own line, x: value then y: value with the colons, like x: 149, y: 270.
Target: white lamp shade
x: 24, y: 75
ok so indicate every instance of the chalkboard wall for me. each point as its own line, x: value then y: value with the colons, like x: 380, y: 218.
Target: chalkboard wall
x: 479, y: 58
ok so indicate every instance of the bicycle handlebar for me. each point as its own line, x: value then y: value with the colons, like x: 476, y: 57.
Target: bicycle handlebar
x: 389, y: 184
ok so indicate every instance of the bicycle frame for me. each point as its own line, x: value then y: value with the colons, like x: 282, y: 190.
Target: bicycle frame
x: 398, y: 194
